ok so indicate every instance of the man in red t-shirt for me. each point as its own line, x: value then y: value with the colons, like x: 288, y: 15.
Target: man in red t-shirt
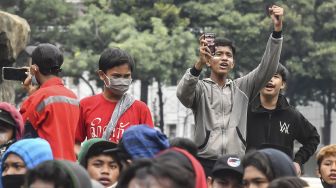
x: 51, y: 110
x: 109, y: 114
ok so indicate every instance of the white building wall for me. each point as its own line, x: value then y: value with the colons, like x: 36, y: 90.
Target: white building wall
x: 175, y: 114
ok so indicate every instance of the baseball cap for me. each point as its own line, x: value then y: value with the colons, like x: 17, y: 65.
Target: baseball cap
x: 228, y: 163
x: 47, y: 57
x: 5, y: 117
x: 92, y: 147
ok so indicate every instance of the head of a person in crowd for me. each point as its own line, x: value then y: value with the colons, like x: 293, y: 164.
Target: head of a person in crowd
x: 289, y: 181
x: 58, y: 174
x: 263, y: 166
x: 11, y: 126
x: 141, y: 141
x: 226, y: 173
x: 47, y: 60
x: 145, y: 173
x: 223, y: 60
x: 173, y: 167
x: 184, y: 143
x: 326, y: 164
x: 184, y: 159
x: 277, y: 83
x: 115, y: 70
x: 103, y: 167
x: 23, y: 155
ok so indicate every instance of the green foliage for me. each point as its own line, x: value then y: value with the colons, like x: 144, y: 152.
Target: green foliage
x: 48, y: 19
x: 162, y: 35
x: 158, y: 50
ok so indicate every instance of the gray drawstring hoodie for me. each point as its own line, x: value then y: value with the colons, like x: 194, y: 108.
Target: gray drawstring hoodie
x: 213, y: 137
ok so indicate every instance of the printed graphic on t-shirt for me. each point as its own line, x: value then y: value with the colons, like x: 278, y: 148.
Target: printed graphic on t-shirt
x: 284, y: 127
x: 97, y: 130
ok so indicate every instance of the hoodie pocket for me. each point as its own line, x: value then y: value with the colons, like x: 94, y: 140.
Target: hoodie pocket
x: 211, y: 146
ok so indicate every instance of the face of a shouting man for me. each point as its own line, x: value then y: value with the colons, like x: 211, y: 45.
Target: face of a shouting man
x: 222, y: 62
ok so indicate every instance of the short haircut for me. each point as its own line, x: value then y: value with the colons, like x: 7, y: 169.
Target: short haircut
x: 113, y: 57
x: 283, y: 71
x: 226, y: 42
x: 49, y: 171
x: 326, y: 151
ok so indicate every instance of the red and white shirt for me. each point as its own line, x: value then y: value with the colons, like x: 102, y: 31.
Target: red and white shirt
x: 96, y: 112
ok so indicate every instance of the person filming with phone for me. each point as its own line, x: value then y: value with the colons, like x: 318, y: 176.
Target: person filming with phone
x: 219, y: 103
x: 51, y: 110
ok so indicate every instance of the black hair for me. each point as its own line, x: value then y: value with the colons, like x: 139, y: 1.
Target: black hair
x: 49, y: 171
x: 282, y: 70
x: 290, y: 181
x: 184, y: 143
x: 226, y: 42
x: 96, y: 151
x: 259, y: 161
x: 112, y: 57
x: 163, y: 170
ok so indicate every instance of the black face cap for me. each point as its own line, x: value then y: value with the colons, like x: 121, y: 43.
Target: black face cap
x: 119, y: 150
x: 228, y: 164
x: 47, y: 57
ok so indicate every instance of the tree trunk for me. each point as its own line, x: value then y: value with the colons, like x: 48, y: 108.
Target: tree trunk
x: 144, y: 91
x: 88, y: 83
x: 327, y: 109
x: 160, y: 105
x: 7, y: 93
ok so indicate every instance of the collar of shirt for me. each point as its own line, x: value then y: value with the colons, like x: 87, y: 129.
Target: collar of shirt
x: 52, y: 81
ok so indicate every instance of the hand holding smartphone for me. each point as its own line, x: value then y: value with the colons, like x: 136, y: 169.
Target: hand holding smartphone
x: 15, y: 73
x: 210, y: 39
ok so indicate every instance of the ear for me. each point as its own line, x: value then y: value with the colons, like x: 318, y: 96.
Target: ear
x: 209, y: 63
x: 34, y: 69
x: 233, y: 64
x: 283, y: 85
x: 318, y: 174
x: 209, y: 182
x: 101, y: 75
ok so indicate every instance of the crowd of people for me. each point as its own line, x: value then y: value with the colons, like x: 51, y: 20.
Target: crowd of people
x: 244, y: 128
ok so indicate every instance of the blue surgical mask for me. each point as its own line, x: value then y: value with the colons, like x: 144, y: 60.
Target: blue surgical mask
x: 118, y: 86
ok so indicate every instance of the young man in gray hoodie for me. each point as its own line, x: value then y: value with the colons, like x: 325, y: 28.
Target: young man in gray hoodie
x: 220, y: 104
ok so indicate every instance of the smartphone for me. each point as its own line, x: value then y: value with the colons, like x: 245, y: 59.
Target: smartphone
x: 14, y: 73
x: 210, y: 38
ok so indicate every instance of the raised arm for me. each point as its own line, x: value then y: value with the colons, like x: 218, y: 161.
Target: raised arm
x: 187, y: 88
x: 256, y: 79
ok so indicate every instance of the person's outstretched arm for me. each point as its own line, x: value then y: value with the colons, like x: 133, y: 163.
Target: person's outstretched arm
x: 257, y: 79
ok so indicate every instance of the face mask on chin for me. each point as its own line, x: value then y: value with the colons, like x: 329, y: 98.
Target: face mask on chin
x: 118, y: 86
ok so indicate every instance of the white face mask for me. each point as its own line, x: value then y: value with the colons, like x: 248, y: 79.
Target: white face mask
x: 118, y: 86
